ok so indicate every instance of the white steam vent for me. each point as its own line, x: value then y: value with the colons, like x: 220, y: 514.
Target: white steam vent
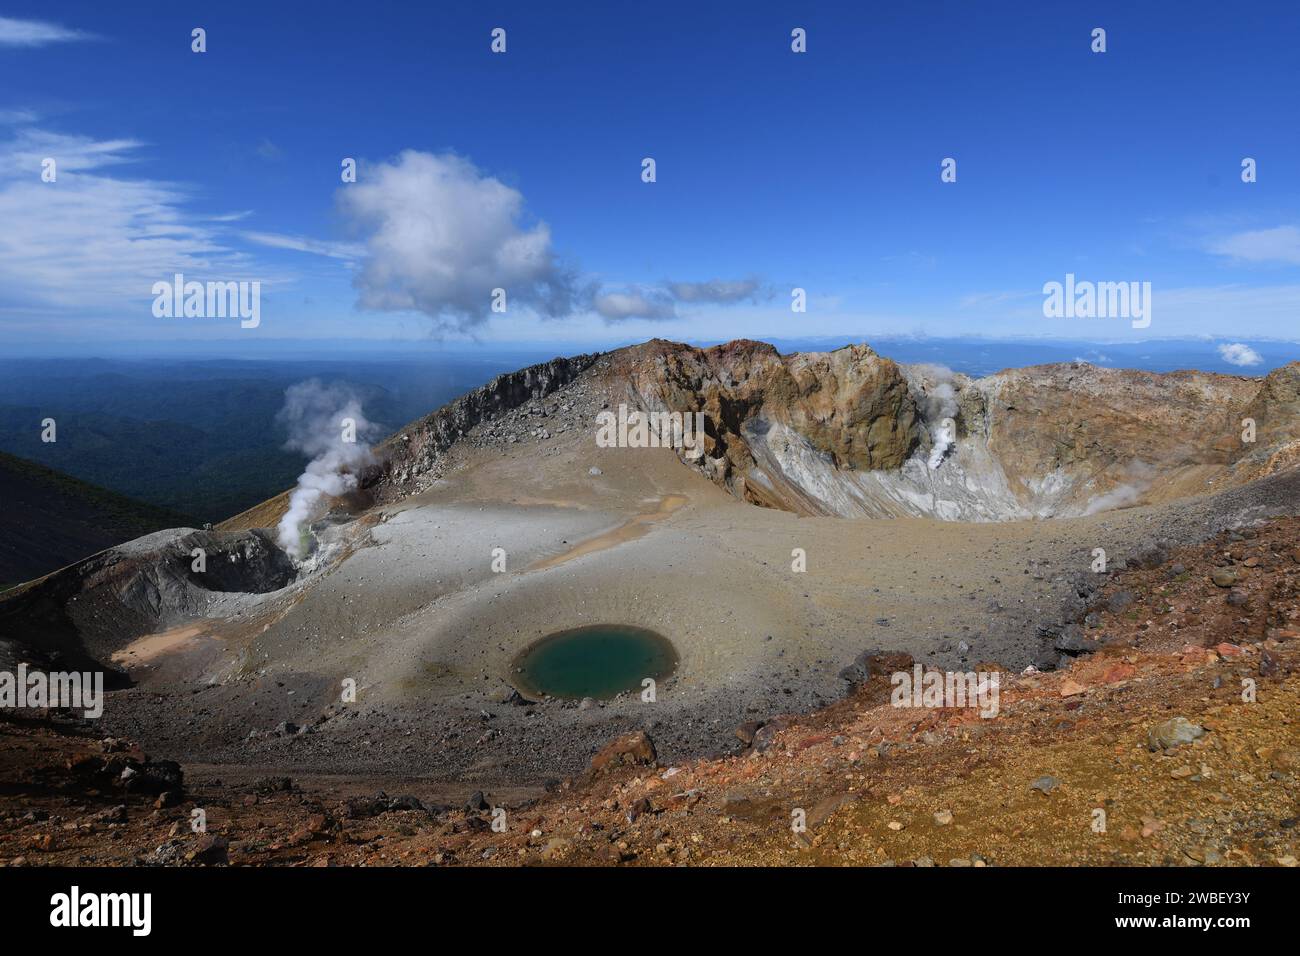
x: 939, y: 406
x: 325, y: 422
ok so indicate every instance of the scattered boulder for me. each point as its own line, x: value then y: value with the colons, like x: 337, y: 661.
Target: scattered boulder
x: 1150, y: 557
x: 556, y: 848
x: 209, y: 850
x: 112, y: 815
x: 1071, y: 641
x: 1120, y: 600
x: 153, y: 777
x: 765, y: 736
x: 1173, y: 733
x: 631, y: 749
x: 875, y: 663
x: 746, y: 731
x: 1223, y: 577
x: 1045, y: 784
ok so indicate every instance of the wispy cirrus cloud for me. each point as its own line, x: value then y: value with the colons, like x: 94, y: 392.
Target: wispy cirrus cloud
x: 320, y: 247
x: 980, y: 300
x: 35, y: 33
x: 1280, y: 244
x: 17, y: 117
x: 94, y: 239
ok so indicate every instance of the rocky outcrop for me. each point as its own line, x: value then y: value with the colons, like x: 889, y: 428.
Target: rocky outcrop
x: 631, y: 750
x: 417, y: 449
x: 850, y: 433
x: 1072, y: 438
x: 852, y: 407
x: 1275, y: 410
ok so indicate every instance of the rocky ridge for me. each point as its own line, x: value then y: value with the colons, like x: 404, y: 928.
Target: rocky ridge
x: 852, y: 433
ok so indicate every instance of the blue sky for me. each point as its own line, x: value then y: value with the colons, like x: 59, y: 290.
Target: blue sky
x: 522, y: 170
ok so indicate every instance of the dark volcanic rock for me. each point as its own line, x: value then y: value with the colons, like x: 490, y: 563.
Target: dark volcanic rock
x: 876, y: 663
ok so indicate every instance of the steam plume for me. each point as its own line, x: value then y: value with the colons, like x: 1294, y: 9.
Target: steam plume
x: 940, y: 408
x: 1139, y: 477
x: 317, y: 417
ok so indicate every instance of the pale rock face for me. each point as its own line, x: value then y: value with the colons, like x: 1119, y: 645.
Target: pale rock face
x: 850, y: 433
x: 850, y: 406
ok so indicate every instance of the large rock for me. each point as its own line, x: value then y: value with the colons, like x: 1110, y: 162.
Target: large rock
x: 876, y: 663
x: 1173, y: 733
x: 629, y: 750
x: 1224, y: 577
x: 1071, y: 641
x: 208, y: 849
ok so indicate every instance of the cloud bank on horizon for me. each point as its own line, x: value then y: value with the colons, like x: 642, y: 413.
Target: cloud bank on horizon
x: 449, y: 241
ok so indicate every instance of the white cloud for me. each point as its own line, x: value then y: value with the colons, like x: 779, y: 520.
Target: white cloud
x: 25, y: 152
x: 635, y: 303
x: 658, y: 303
x: 1239, y: 353
x: 720, y: 291
x: 91, y: 240
x: 31, y: 33
x: 320, y: 247
x: 1280, y: 244
x: 440, y: 236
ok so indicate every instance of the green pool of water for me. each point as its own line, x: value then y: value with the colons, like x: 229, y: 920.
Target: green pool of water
x: 597, y: 661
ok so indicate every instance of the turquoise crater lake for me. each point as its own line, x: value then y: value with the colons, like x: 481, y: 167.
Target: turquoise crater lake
x: 599, y: 661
